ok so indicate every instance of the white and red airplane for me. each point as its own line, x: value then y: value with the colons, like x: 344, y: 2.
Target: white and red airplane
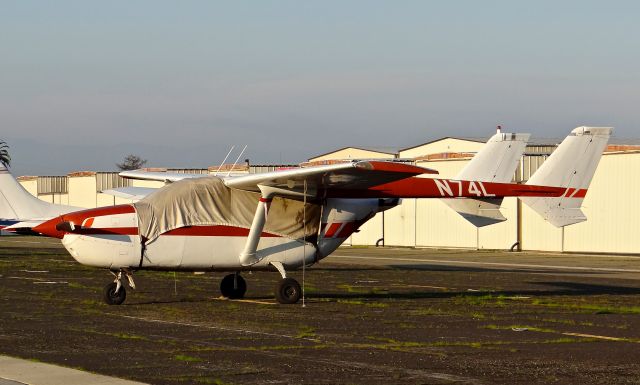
x: 285, y: 219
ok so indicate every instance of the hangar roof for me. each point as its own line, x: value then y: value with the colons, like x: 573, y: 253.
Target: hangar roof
x: 358, y: 152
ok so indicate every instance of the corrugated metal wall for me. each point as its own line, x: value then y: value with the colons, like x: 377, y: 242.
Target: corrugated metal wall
x: 612, y: 208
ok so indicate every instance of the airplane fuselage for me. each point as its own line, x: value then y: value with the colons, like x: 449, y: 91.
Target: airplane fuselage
x: 109, y: 238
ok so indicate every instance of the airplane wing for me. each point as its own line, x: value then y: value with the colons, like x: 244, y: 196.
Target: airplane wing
x: 133, y: 193
x: 161, y: 176
x: 356, y: 175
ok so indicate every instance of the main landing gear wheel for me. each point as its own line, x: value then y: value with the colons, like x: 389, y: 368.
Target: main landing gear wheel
x: 111, y: 297
x: 233, y: 286
x: 288, y: 291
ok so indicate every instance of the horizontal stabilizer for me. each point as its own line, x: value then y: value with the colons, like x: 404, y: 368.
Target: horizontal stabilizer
x: 561, y: 216
x: 495, y: 162
x: 571, y: 166
x: 480, y: 212
x: 24, y: 227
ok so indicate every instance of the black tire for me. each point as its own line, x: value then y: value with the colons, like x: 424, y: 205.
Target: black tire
x: 111, y: 297
x: 288, y: 291
x: 227, y: 286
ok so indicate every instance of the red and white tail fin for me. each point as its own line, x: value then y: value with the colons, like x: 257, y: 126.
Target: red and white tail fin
x: 495, y: 162
x: 16, y: 202
x: 572, y: 166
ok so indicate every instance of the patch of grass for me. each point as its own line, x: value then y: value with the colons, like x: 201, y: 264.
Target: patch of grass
x: 434, y: 311
x: 124, y: 336
x: 475, y: 345
x: 186, y: 358
x: 77, y: 285
x: 306, y: 332
x: 285, y: 347
x: 478, y: 315
x: 566, y: 340
x: 405, y: 325
x: 480, y: 300
x: 388, y: 344
x: 381, y: 339
x: 511, y: 327
x: 566, y: 321
x: 349, y: 288
x: 588, y: 308
x: 92, y: 302
x: 308, y: 288
x: 363, y: 303
x: 215, y: 381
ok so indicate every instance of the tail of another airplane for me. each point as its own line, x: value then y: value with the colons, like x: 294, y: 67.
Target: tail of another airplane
x: 17, y: 204
x: 495, y: 162
x: 572, y: 166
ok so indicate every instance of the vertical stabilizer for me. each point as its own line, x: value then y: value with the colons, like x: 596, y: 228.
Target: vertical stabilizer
x: 495, y: 162
x: 572, y: 166
x: 16, y: 203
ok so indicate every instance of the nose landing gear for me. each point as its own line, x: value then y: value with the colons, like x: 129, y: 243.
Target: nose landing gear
x: 115, y: 293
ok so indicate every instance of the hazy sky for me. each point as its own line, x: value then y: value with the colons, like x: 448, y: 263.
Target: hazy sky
x: 83, y: 83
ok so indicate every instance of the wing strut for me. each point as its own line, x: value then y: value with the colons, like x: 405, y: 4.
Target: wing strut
x: 248, y: 256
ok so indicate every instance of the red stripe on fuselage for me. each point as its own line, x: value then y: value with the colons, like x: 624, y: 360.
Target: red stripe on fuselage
x: 190, y: 231
x: 107, y: 231
x: 215, y: 231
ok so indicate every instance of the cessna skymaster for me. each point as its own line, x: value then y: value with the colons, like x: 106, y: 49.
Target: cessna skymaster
x: 287, y: 219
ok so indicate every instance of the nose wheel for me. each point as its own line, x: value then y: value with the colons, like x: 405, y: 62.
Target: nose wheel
x: 115, y: 293
x: 114, y: 296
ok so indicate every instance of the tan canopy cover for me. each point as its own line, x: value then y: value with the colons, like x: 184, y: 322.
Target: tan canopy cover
x: 208, y: 201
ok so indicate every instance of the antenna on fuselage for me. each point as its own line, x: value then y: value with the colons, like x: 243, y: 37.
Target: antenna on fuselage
x: 237, y: 159
x: 224, y: 160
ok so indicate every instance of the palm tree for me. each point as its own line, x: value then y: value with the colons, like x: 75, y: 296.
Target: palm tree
x: 5, y: 159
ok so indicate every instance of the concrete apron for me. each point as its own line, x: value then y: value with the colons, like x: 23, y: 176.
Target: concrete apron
x: 15, y: 371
